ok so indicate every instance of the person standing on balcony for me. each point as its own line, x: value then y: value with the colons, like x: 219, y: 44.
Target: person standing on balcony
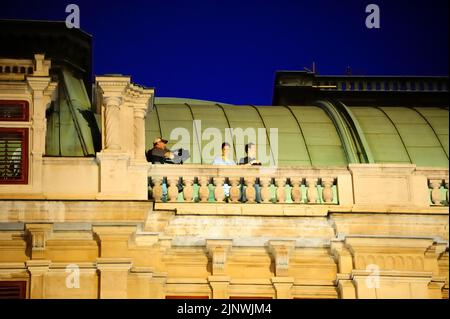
x: 250, y: 159
x: 224, y: 160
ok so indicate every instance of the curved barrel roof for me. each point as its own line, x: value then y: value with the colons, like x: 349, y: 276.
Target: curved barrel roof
x: 311, y: 135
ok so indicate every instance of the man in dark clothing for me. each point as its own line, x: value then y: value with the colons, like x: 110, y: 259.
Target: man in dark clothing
x: 159, y: 153
x: 250, y: 159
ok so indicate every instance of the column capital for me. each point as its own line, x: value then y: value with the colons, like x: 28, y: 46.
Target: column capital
x: 114, y: 264
x: 37, y: 267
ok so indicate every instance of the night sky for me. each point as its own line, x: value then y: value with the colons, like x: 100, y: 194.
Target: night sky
x: 228, y: 51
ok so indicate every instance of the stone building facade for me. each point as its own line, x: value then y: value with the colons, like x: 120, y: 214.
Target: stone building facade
x: 356, y: 205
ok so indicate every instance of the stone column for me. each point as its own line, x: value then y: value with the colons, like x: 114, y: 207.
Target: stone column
x: 38, y: 270
x: 139, y: 133
x: 112, y: 122
x: 113, y: 277
x: 42, y: 91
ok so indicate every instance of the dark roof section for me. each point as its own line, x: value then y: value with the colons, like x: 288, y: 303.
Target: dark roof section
x: 303, y: 88
x: 69, y: 48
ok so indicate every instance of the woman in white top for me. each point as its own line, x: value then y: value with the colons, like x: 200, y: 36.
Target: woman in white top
x: 224, y: 160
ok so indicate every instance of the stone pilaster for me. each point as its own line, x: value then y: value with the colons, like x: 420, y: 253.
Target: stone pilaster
x: 113, y: 277
x: 219, y: 286
x: 38, y: 270
x: 283, y: 287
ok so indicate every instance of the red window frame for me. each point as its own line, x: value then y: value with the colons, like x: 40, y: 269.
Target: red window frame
x: 24, y: 159
x: 24, y: 113
x: 13, y: 289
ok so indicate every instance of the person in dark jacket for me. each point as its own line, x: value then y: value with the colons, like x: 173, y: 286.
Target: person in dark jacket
x: 159, y: 153
x: 250, y: 159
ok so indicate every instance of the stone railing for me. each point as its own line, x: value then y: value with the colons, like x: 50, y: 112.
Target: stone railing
x: 243, y: 184
x: 355, y: 83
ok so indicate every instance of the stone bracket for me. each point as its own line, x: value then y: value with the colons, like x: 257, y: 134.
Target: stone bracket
x: 218, y: 250
x: 281, y: 251
x: 38, y: 234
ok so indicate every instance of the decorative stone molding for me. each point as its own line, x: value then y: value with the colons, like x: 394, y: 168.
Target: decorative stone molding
x: 38, y: 234
x: 218, y: 250
x: 342, y: 256
x: 281, y: 251
x: 114, y: 240
x: 283, y: 287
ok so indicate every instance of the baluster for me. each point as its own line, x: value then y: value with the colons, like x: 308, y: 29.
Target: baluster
x: 172, y: 190
x: 219, y: 193
x: 311, y: 194
x: 435, y: 185
x: 157, y: 190
x: 280, y: 182
x: 188, y: 190
x: 296, y: 191
x: 203, y: 190
x: 250, y: 191
x: 234, y: 190
x: 265, y: 190
x: 327, y: 191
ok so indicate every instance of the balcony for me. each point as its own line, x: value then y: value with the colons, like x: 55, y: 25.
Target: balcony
x: 297, y: 191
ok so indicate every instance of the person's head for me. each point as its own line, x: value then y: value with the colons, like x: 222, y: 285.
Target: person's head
x: 225, y: 149
x: 250, y: 149
x: 160, y: 143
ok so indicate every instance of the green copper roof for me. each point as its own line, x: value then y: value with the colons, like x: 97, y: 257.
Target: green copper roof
x: 307, y: 135
x: 405, y: 135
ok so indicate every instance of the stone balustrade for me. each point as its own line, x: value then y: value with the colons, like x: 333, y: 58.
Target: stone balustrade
x: 430, y: 84
x: 242, y: 184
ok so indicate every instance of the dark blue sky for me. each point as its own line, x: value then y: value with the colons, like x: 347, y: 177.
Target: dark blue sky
x: 228, y: 51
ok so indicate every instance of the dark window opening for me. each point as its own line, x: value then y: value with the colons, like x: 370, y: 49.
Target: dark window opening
x: 13, y: 110
x: 13, y: 289
x: 13, y: 155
